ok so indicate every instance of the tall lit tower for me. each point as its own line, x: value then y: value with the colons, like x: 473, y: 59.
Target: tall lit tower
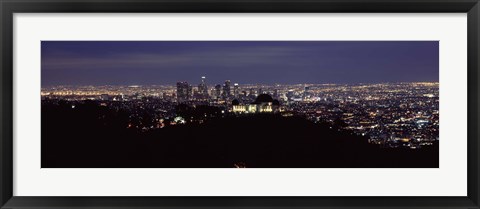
x: 203, y: 89
x: 183, y: 91
x: 235, y: 90
x: 226, y: 90
x: 218, y: 91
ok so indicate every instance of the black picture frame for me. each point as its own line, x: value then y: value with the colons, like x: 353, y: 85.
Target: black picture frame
x: 9, y: 7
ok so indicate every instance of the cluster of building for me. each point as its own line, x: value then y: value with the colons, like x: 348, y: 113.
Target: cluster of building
x: 243, y: 100
x: 389, y: 114
x: 186, y: 92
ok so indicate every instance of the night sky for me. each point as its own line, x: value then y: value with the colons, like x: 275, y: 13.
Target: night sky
x: 244, y: 62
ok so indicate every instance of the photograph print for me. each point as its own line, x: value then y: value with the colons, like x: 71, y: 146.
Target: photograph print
x: 239, y: 104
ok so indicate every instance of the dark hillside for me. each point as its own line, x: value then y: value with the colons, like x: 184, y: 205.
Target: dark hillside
x: 95, y: 136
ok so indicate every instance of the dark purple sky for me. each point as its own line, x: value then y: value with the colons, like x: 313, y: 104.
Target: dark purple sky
x: 287, y: 62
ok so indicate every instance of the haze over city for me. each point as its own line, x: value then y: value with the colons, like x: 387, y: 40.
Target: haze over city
x: 246, y: 62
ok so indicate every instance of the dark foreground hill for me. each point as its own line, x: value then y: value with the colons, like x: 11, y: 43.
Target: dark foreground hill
x: 97, y: 137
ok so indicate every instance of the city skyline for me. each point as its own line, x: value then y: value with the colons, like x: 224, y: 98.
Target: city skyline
x: 245, y: 62
x: 389, y: 125
x: 240, y: 104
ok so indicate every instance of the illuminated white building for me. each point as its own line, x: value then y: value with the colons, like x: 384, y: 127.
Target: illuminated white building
x: 263, y: 104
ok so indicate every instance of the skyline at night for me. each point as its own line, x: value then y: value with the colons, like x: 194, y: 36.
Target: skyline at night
x: 240, y: 104
x: 244, y: 62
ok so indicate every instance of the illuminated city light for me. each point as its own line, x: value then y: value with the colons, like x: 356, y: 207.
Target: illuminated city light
x: 382, y: 112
